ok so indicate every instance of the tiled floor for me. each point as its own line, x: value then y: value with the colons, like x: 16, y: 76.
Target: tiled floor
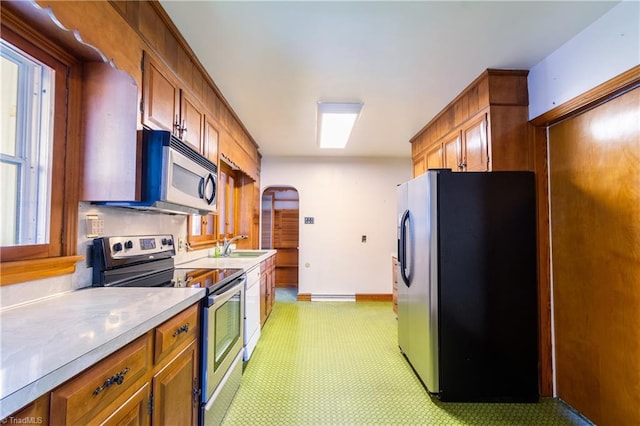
x: 338, y: 363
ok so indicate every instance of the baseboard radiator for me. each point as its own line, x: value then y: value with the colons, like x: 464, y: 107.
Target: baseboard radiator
x: 333, y: 297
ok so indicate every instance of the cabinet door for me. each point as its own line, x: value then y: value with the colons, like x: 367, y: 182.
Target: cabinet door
x: 476, y: 158
x: 134, y: 412
x: 191, y: 123
x: 264, y: 281
x: 435, y: 157
x: 419, y: 165
x: 173, y: 390
x: 452, y: 147
x: 210, y: 144
x: 202, y: 230
x: 161, y: 97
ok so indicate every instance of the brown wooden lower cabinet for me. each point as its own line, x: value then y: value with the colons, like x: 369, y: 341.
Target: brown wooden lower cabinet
x: 135, y: 411
x: 267, y: 287
x: 136, y: 385
x: 173, y: 389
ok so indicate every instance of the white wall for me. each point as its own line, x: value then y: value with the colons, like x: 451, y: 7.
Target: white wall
x: 347, y: 198
x: 606, y: 48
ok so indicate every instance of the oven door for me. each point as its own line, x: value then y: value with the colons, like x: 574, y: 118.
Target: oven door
x: 222, y: 334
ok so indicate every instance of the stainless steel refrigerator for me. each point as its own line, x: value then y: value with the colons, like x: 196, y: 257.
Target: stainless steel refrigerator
x: 467, y: 284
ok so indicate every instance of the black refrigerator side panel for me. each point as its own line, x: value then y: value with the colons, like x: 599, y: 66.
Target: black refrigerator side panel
x: 488, y: 287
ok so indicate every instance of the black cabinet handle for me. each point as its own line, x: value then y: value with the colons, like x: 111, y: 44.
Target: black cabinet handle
x: 180, y: 330
x: 116, y: 379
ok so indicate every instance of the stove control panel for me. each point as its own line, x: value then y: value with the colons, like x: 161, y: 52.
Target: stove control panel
x: 134, y: 248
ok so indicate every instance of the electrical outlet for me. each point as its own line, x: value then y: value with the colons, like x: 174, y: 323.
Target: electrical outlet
x: 95, y: 226
x: 364, y: 238
x: 180, y: 244
x: 308, y: 220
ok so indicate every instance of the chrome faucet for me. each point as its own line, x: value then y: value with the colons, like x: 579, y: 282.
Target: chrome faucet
x: 227, y: 244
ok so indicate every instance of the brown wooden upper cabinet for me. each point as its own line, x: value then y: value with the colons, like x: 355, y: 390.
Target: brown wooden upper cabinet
x: 485, y: 128
x: 463, y: 150
x: 168, y: 106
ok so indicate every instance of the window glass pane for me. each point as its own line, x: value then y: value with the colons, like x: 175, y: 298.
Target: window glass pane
x: 9, y: 201
x: 196, y: 225
x: 9, y: 93
x: 26, y: 148
x: 210, y: 222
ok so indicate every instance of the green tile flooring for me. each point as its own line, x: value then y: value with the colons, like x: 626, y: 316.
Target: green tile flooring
x: 338, y: 363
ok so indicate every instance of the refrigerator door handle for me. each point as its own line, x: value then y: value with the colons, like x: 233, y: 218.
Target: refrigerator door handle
x: 404, y: 221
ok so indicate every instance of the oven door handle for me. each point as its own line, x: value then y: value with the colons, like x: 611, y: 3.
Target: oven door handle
x: 217, y: 299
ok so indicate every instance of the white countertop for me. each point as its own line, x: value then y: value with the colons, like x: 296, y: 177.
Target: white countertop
x: 245, y: 263
x: 45, y: 343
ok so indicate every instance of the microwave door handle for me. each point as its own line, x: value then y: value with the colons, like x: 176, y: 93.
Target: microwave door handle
x: 201, y: 188
x: 405, y: 222
x: 211, y: 181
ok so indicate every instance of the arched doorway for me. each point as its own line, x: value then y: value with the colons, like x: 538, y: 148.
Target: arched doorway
x: 280, y: 231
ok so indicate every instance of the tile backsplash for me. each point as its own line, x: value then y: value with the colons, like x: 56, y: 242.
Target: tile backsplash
x: 117, y: 221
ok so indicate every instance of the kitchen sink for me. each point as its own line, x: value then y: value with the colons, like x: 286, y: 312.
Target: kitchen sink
x: 247, y: 253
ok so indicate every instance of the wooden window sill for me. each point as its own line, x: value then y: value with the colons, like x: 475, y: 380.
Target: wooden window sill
x: 35, y: 269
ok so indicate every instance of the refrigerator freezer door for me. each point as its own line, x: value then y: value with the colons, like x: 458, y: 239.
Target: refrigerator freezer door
x: 422, y: 293
x: 403, y: 289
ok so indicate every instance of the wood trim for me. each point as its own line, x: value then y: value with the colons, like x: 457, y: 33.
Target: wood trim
x: 364, y: 297
x: 545, y: 348
x: 485, y: 75
x: 28, y: 270
x: 65, y: 168
x: 605, y: 91
x: 374, y: 297
x: 304, y: 297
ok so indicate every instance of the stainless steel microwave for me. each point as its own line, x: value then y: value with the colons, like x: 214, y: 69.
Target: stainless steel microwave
x: 175, y: 178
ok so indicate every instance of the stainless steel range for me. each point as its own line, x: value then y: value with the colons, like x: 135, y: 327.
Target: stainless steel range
x: 223, y: 336
x: 147, y: 261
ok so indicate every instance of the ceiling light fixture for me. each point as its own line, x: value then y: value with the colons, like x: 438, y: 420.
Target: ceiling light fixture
x: 335, y: 122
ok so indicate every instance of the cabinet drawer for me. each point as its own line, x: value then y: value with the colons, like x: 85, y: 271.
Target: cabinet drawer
x: 83, y: 397
x: 176, y: 332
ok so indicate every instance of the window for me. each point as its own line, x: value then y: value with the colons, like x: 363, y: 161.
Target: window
x: 39, y: 164
x: 25, y: 148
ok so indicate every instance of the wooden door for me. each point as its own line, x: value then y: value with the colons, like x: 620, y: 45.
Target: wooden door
x: 452, y: 150
x: 594, y: 174
x: 419, y: 165
x: 475, y: 157
x: 173, y: 390
x: 435, y: 156
x: 161, y: 97
x: 134, y: 412
x: 210, y: 141
x: 286, y: 235
x: 452, y: 147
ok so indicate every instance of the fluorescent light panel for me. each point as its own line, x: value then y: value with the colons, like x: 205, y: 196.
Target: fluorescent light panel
x: 335, y: 122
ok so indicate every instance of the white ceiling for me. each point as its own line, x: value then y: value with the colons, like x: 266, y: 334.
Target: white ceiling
x: 273, y: 61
